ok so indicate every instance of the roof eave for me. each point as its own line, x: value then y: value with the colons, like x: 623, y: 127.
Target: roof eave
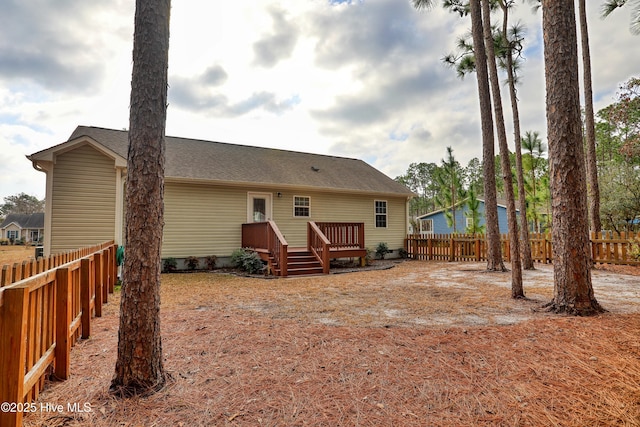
x: 280, y: 187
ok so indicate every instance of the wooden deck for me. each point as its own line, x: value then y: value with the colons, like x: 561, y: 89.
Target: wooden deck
x: 325, y: 241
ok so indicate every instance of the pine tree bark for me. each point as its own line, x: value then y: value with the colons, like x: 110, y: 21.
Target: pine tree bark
x: 494, y: 250
x: 517, y: 290
x: 525, y: 246
x: 590, y: 132
x: 139, y: 368
x: 573, y: 291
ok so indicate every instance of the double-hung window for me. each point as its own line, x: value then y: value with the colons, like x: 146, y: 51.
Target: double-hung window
x: 381, y: 213
x: 426, y: 226
x: 301, y: 206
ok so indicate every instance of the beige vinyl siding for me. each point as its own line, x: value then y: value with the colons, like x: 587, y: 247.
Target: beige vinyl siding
x: 83, y: 199
x: 202, y: 220
x: 337, y: 207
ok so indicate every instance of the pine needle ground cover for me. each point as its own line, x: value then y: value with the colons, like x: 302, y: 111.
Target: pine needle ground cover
x: 437, y: 344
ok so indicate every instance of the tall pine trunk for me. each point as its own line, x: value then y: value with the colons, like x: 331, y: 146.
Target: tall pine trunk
x: 494, y: 250
x: 590, y: 132
x: 525, y: 246
x: 139, y: 368
x: 572, y: 288
x: 517, y: 290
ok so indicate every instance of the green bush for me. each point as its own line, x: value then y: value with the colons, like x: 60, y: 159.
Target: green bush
x: 247, y: 260
x: 192, y: 262
x: 381, y: 250
x: 4, y: 242
x: 170, y: 265
x: 634, y: 248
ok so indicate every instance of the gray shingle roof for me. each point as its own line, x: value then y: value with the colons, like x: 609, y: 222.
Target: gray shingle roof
x: 25, y: 221
x: 232, y: 163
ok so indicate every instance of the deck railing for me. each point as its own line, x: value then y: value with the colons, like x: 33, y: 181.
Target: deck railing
x: 319, y: 245
x: 267, y: 235
x: 606, y: 247
x: 343, y: 235
x: 41, y: 318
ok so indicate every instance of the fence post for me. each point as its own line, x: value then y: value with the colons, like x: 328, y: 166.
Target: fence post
x: 63, y: 322
x: 85, y: 296
x: 452, y: 248
x: 6, y: 275
x: 97, y: 280
x: 113, y: 268
x: 13, y: 351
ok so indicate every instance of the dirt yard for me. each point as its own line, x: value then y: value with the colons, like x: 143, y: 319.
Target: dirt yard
x: 417, y: 344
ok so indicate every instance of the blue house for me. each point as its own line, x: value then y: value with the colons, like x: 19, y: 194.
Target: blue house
x: 436, y: 222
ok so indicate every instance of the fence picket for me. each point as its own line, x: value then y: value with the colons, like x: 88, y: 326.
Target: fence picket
x: 42, y: 314
x: 608, y: 248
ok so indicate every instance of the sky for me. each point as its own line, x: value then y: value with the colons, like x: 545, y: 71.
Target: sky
x: 361, y: 79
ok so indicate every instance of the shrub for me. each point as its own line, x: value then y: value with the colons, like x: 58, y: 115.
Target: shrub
x: 211, y: 261
x: 634, y: 248
x: 403, y: 253
x: 192, y: 262
x: 247, y: 260
x: 170, y: 265
x: 368, y: 257
x: 4, y: 242
x: 381, y: 250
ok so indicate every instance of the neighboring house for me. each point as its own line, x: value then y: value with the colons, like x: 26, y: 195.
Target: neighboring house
x: 26, y: 227
x: 211, y: 189
x: 436, y: 222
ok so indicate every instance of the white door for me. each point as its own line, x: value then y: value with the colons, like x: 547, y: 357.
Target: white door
x: 258, y: 207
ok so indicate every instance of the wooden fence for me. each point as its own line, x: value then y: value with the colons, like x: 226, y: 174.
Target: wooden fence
x: 606, y: 247
x: 45, y: 306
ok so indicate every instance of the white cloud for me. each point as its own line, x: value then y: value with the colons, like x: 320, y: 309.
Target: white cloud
x: 361, y: 79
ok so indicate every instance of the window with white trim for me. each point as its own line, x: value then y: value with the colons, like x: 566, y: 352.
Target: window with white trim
x: 426, y: 226
x: 301, y: 206
x: 381, y: 213
x: 469, y: 223
x: 12, y: 234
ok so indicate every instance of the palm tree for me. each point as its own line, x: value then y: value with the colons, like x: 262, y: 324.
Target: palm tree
x: 589, y: 123
x: 516, y: 266
x: 139, y: 368
x: 611, y: 5
x: 572, y: 290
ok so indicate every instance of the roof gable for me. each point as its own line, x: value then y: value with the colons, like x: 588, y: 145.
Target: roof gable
x: 198, y: 160
x: 24, y: 221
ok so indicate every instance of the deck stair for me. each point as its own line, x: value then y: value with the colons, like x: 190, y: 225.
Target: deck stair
x: 300, y: 262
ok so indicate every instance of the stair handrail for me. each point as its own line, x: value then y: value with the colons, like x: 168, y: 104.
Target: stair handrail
x: 318, y: 244
x: 278, y: 247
